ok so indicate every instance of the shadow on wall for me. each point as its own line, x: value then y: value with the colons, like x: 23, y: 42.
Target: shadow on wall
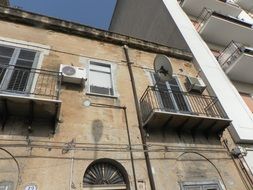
x: 97, y: 133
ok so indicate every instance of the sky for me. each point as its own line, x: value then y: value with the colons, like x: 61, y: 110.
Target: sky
x: 95, y: 13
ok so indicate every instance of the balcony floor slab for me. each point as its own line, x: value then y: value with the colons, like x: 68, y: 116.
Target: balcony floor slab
x: 29, y: 107
x: 179, y: 121
x: 221, y: 30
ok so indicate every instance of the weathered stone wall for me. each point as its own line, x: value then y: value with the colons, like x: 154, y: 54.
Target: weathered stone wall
x: 100, y: 132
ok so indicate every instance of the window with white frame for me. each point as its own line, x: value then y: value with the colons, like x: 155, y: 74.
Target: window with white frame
x: 170, y: 94
x: 201, y: 186
x: 100, y: 78
x: 6, y: 186
x: 15, y: 68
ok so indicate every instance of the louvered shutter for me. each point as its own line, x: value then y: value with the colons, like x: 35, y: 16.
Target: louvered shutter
x: 5, y: 58
x: 22, y: 71
x: 100, y: 79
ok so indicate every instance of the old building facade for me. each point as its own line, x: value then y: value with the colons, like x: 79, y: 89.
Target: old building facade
x: 117, y: 126
x: 218, y: 33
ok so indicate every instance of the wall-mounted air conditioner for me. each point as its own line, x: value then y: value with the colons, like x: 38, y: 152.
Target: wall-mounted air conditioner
x: 71, y: 74
x: 194, y: 84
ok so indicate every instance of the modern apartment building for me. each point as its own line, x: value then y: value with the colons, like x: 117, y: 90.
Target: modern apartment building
x: 218, y: 34
x: 231, y: 44
x: 81, y: 108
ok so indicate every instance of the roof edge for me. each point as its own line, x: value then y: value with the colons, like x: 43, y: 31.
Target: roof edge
x: 72, y: 28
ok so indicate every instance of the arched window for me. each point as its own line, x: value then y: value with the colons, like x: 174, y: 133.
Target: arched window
x: 105, y: 174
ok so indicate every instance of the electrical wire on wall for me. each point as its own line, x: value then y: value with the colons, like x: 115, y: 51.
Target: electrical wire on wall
x: 18, y: 167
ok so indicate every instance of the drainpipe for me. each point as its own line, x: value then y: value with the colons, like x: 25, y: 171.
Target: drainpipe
x: 148, y: 163
x: 236, y: 165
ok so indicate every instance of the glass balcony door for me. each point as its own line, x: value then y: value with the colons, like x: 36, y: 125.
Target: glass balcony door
x: 170, y: 95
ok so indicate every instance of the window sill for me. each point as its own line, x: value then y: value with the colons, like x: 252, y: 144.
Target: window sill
x: 101, y: 95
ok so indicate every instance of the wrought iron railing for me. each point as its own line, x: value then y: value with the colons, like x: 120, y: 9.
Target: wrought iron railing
x: 24, y: 81
x: 203, y: 17
x: 155, y: 99
x: 228, y: 56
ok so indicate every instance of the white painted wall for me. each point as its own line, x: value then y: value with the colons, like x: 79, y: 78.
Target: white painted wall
x: 242, y: 125
x: 245, y: 17
x: 249, y: 160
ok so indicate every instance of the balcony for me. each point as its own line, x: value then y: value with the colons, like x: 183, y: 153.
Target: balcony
x: 195, y: 7
x: 31, y: 94
x: 246, y: 4
x: 219, y: 29
x: 182, y: 111
x: 237, y: 62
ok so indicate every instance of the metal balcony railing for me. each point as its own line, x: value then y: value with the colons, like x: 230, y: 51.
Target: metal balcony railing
x: 30, y: 82
x: 155, y: 99
x: 203, y: 17
x: 228, y: 56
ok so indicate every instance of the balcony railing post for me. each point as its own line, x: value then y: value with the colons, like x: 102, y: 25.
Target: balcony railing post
x: 59, y: 85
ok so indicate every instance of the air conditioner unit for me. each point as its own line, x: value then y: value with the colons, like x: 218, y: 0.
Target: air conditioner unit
x: 71, y: 74
x: 195, y: 84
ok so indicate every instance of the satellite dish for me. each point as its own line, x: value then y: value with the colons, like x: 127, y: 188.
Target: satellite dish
x: 163, y: 68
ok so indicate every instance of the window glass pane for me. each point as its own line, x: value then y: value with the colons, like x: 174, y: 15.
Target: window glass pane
x: 4, y: 60
x: 27, y: 64
x: 179, y: 98
x: 6, y: 51
x: 100, y: 67
x: 166, y: 100
x: 19, y: 80
x: 192, y: 188
x: 28, y: 55
x: 2, y: 73
x: 174, y: 85
x: 211, y: 187
x: 101, y: 90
